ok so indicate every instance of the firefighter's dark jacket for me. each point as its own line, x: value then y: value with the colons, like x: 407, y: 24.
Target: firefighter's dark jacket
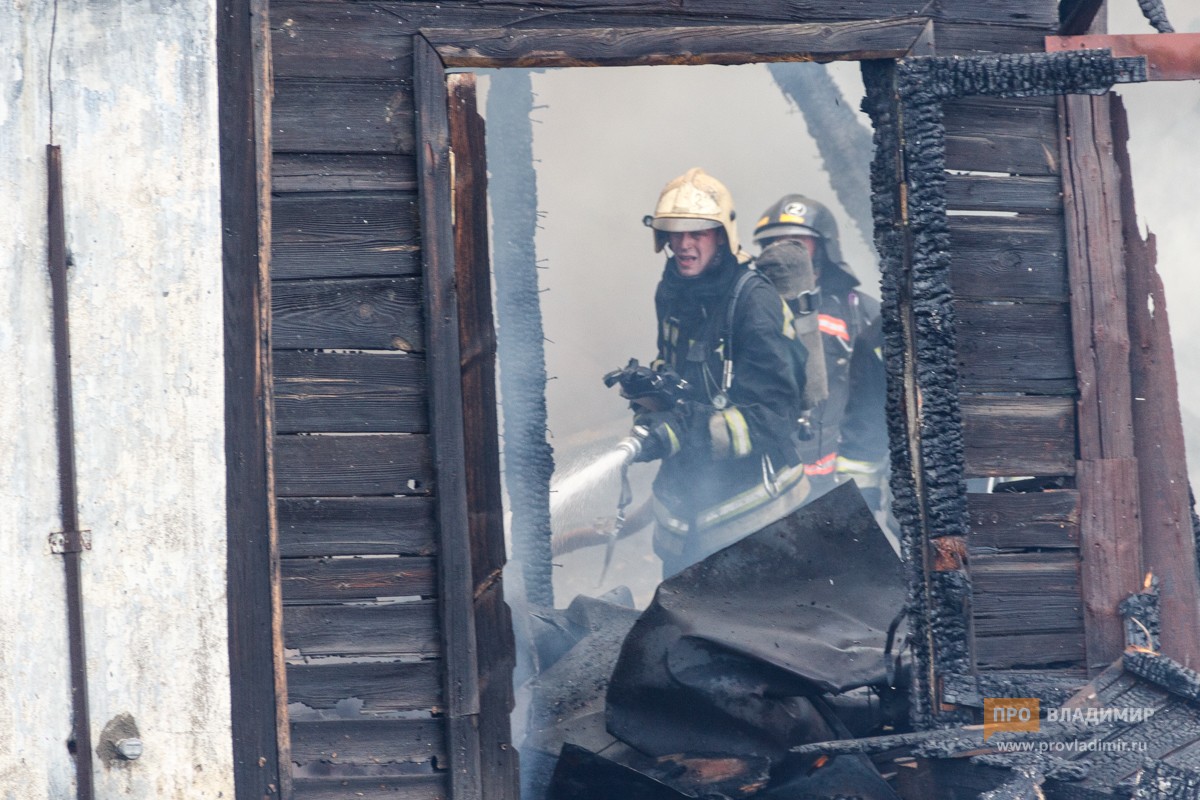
x: 845, y: 315
x: 722, y: 449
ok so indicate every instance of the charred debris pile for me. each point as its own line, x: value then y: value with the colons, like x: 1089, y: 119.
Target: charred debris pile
x: 778, y: 668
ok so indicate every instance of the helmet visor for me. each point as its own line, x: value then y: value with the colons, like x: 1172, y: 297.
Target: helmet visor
x: 682, y: 224
x: 775, y: 231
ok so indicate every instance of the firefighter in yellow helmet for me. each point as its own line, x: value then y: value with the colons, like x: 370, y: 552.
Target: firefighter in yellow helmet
x: 719, y: 403
x: 837, y: 445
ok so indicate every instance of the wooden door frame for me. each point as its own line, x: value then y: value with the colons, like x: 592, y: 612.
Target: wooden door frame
x: 258, y: 693
x: 436, y: 49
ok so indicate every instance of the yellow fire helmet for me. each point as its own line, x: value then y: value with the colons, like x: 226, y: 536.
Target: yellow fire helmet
x: 694, y: 201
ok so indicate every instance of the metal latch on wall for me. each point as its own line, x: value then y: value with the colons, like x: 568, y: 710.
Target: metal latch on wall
x: 70, y: 542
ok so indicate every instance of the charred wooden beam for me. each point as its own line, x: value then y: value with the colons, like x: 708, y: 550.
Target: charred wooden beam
x: 716, y: 44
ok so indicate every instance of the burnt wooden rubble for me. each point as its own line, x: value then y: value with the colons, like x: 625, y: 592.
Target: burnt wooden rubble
x: 397, y: 648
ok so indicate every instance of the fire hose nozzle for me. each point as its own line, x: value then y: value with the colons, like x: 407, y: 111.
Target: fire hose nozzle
x: 631, y: 445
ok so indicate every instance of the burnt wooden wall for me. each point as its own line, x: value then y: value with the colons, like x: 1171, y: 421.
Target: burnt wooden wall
x: 357, y: 491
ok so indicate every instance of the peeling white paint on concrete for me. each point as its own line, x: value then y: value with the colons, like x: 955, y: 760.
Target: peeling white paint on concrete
x: 135, y: 111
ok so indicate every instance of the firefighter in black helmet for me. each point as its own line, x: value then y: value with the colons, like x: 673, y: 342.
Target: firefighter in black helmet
x: 727, y: 435
x: 844, y: 315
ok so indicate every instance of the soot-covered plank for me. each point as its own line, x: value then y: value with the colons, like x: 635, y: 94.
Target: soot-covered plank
x: 1055, y: 573
x: 329, y: 465
x: 337, y: 172
x: 349, y: 392
x: 1005, y: 615
x: 1017, y: 347
x: 408, y: 787
x: 344, y: 235
x: 359, y: 314
x: 344, y: 580
x: 339, y: 40
x: 718, y: 44
x: 1018, y: 136
x: 1032, y: 650
x: 1010, y: 521
x: 1041, y: 15
x: 342, y: 116
x: 974, y: 39
x: 1004, y: 193
x: 993, y: 258
x: 359, y: 629
x: 1009, y: 436
x: 343, y: 526
x: 381, y: 686
x: 368, y: 742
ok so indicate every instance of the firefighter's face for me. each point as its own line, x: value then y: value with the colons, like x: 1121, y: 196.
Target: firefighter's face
x: 695, y: 251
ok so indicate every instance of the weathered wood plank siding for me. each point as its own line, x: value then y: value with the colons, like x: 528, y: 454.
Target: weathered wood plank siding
x: 358, y: 494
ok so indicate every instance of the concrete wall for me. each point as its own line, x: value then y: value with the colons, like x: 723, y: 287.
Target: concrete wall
x: 133, y: 90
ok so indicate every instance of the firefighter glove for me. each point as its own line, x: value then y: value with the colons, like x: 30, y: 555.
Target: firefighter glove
x: 661, y: 435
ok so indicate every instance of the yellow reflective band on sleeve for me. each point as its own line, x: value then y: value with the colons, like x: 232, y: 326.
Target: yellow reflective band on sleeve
x: 673, y: 439
x: 739, y: 432
x: 789, y: 328
x: 854, y: 465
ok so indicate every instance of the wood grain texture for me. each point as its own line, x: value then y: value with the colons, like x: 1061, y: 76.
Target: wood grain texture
x: 409, y: 787
x: 337, y: 466
x: 1004, y: 194
x: 409, y: 629
x: 1110, y: 527
x: 1008, y: 259
x: 344, y: 235
x: 1020, y: 347
x: 1097, y: 272
x: 1009, y: 521
x: 1025, y: 574
x: 1040, y: 15
x: 628, y: 46
x: 1110, y: 547
x: 1008, y: 615
x: 477, y: 342
x: 367, y: 314
x: 368, y: 742
x: 1009, y: 436
x: 336, y: 172
x: 339, y: 40
x: 342, y: 116
x: 350, y: 392
x: 1017, y: 136
x: 258, y: 743
x: 343, y: 580
x: 455, y: 584
x: 1029, y: 650
x: 381, y: 686
x: 973, y: 39
x: 344, y: 526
